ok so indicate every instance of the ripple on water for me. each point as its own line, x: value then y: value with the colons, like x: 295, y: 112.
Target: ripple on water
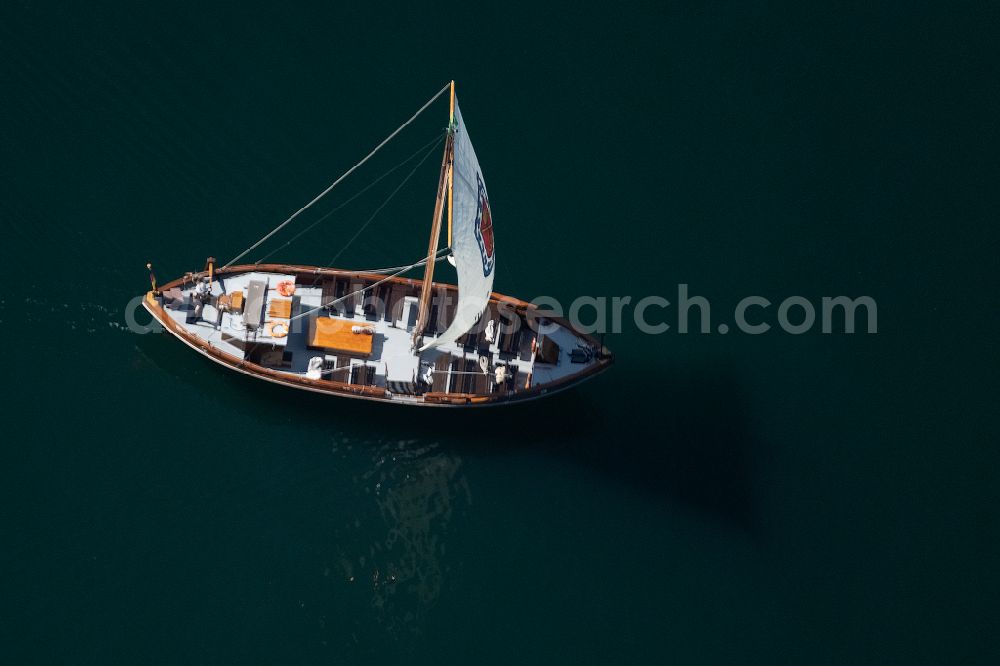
x: 416, y: 488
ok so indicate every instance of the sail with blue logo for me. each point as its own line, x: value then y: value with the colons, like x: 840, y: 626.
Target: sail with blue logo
x: 471, y: 237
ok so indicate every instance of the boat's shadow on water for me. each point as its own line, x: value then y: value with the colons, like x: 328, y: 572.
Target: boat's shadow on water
x: 684, y: 438
x: 685, y: 441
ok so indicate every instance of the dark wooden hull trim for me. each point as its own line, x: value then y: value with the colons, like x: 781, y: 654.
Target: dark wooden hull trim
x: 373, y: 393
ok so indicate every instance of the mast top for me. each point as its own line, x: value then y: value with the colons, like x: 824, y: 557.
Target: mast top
x: 451, y: 106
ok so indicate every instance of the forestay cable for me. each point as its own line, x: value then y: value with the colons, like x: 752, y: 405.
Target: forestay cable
x: 337, y: 182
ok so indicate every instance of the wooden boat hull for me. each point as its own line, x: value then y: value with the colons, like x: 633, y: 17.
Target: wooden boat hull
x: 153, y: 303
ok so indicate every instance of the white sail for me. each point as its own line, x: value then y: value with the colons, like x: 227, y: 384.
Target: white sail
x: 471, y: 239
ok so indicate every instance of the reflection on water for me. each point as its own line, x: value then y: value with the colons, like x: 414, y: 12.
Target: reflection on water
x: 416, y: 488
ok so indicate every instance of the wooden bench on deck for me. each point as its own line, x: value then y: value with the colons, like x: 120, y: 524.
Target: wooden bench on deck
x: 336, y: 335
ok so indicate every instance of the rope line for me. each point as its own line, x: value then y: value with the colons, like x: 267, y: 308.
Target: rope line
x: 372, y: 184
x: 364, y: 289
x: 423, y: 261
x: 337, y: 182
x: 343, y: 367
x: 381, y: 206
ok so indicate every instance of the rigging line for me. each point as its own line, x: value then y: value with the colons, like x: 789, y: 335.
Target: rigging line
x: 343, y: 367
x: 337, y: 182
x: 383, y: 205
x: 356, y: 292
x: 372, y: 184
x: 440, y: 257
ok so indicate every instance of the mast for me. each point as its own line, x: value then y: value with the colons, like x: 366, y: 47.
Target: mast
x: 432, y: 246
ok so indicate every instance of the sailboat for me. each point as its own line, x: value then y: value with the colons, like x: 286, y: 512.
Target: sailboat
x: 376, y: 334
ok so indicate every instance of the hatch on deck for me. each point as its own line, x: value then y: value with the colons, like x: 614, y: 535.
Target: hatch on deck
x: 253, y: 312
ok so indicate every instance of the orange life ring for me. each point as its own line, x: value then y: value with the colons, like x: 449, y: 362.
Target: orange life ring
x: 276, y: 329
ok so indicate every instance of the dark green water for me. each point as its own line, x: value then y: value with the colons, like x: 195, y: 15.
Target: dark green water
x: 714, y: 498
